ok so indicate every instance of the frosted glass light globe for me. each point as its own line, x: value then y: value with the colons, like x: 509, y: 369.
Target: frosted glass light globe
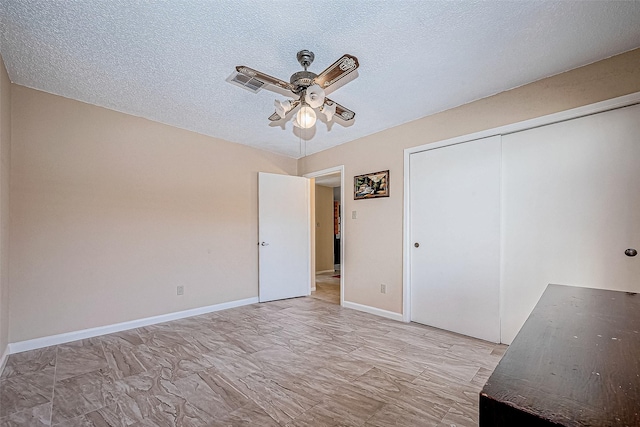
x: 306, y: 117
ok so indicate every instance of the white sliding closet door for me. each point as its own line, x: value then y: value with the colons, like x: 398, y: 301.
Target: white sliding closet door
x: 571, y: 207
x: 455, y: 232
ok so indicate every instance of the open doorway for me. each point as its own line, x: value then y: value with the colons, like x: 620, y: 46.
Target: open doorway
x: 327, y: 236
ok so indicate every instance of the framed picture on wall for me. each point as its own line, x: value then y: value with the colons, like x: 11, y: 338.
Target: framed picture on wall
x: 371, y: 185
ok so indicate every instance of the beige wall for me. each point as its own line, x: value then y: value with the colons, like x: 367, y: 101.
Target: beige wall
x: 373, y: 243
x: 5, y: 157
x: 111, y: 212
x: 324, y: 228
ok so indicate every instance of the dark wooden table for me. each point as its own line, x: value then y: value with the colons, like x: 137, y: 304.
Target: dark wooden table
x: 575, y: 362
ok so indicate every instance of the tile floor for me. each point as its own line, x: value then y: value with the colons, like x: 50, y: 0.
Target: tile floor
x: 298, y: 362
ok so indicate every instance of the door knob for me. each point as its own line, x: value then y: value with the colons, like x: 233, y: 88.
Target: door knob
x: 416, y: 244
x: 631, y: 252
x: 264, y: 244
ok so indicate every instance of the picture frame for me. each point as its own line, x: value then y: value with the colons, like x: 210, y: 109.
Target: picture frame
x: 371, y: 185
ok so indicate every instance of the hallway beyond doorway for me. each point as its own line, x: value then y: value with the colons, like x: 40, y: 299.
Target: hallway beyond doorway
x: 328, y: 287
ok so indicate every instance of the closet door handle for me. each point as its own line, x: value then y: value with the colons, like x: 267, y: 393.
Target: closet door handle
x: 631, y: 252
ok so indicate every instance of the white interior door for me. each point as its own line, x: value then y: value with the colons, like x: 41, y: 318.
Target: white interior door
x: 284, y: 234
x: 571, y: 207
x: 455, y: 232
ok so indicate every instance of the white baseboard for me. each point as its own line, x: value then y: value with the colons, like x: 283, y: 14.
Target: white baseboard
x: 325, y: 271
x: 3, y: 359
x: 373, y: 310
x: 20, y: 346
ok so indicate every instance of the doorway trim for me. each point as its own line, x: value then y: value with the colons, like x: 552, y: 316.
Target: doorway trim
x: 574, y: 113
x: 318, y: 174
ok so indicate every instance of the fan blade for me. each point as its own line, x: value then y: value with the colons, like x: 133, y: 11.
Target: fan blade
x: 336, y: 71
x: 275, y: 117
x: 250, y: 72
x: 341, y: 112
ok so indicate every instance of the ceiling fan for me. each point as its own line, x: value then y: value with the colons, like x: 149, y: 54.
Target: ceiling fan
x: 307, y: 89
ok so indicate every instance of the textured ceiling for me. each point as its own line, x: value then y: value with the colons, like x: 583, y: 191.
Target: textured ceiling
x: 168, y: 60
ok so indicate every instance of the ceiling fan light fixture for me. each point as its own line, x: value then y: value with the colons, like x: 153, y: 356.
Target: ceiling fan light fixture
x: 328, y: 111
x: 306, y: 117
x: 314, y: 96
x: 282, y: 107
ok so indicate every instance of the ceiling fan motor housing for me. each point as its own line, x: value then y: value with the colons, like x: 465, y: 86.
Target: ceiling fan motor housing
x: 302, y: 80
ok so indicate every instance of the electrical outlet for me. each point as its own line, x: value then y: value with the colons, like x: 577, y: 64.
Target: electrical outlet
x: 180, y: 290
x: 383, y: 288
